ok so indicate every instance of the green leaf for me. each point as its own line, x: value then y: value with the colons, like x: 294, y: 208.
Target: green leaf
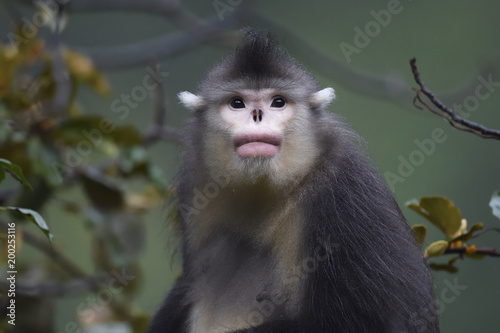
x: 495, y: 204
x: 14, y: 170
x: 420, y: 232
x: 126, y: 136
x: 439, y: 211
x: 95, y: 131
x: 89, y: 129
x: 437, y: 248
x: 468, y: 235
x: 102, y: 190
x: 17, y: 153
x: 35, y: 217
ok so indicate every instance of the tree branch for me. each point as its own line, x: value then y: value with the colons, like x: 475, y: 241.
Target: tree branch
x: 157, y: 130
x: 447, y: 113
x: 157, y: 48
x: 479, y: 233
x: 481, y: 250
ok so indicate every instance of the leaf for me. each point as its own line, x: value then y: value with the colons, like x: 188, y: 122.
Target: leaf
x: 83, y: 70
x: 495, y: 204
x: 35, y: 217
x: 468, y: 235
x: 439, y: 211
x: 17, y: 154
x: 75, y: 131
x: 14, y: 170
x: 420, y: 232
x: 126, y: 136
x: 93, y: 132
x: 102, y: 190
x: 437, y: 248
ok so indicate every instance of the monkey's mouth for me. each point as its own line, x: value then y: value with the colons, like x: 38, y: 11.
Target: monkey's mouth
x: 253, y: 145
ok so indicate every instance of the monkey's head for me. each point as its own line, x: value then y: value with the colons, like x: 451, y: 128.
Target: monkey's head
x: 257, y: 110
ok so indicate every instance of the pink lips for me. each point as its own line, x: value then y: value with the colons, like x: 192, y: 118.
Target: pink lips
x: 264, y: 145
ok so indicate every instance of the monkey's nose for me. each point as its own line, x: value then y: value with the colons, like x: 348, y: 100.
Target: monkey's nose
x: 257, y: 115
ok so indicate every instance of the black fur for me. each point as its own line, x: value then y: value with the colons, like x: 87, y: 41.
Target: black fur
x: 258, y: 62
x: 361, y: 272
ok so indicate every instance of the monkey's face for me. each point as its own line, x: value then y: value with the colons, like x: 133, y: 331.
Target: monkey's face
x: 259, y: 134
x: 257, y: 121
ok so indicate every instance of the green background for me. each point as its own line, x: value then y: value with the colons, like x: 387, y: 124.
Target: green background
x: 454, y: 41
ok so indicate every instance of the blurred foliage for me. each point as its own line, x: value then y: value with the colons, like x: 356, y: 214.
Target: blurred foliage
x: 57, y: 151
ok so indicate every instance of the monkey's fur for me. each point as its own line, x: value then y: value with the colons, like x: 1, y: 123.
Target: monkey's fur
x: 309, y: 240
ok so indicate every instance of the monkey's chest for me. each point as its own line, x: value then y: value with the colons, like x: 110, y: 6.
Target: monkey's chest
x: 238, y: 286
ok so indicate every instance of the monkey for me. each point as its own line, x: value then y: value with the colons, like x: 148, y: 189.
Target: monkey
x: 286, y: 225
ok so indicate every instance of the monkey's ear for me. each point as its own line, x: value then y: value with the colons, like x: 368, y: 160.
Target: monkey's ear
x: 322, y: 98
x: 191, y: 101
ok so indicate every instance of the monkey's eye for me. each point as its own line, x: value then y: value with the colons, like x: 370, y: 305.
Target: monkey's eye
x: 278, y: 102
x: 237, y: 103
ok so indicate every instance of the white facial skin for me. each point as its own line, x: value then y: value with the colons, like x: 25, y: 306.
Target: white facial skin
x: 257, y: 120
x: 260, y: 133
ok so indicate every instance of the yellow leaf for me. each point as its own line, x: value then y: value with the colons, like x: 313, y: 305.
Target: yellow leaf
x: 437, y: 248
x: 83, y: 70
x: 440, y: 211
x: 420, y: 232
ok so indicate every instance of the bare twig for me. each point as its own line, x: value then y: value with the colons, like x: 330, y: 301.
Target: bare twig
x: 448, y: 113
x: 479, y: 233
x: 418, y: 98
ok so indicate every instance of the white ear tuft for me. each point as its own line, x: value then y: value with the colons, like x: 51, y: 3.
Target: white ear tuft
x: 323, y: 97
x: 190, y: 100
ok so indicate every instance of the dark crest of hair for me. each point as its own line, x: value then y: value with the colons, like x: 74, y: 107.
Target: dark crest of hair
x: 257, y: 63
